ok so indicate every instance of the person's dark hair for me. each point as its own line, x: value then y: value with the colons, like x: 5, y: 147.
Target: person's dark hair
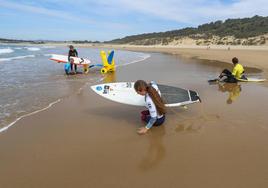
x: 71, y: 47
x: 141, y: 85
x: 235, y: 60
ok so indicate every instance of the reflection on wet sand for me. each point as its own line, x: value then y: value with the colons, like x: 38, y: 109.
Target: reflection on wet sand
x: 234, y: 90
x: 109, y: 77
x: 156, y: 151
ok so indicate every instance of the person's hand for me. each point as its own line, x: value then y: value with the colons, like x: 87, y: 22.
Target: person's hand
x: 142, y: 130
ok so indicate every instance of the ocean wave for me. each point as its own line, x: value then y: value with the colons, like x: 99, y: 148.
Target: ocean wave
x: 16, y: 57
x: 47, y: 55
x: 6, y: 50
x: 146, y: 56
x: 26, y: 115
x: 18, y: 48
x: 48, y: 46
x: 32, y: 48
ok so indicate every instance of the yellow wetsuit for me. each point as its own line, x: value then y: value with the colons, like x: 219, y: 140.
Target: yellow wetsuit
x: 238, y: 71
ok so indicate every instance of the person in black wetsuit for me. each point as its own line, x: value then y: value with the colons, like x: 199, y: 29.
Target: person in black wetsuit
x: 73, y: 53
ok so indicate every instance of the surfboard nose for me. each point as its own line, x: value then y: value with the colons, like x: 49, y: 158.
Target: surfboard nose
x: 97, y: 88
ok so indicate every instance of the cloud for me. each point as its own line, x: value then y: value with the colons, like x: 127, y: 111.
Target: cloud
x: 38, y: 10
x: 60, y: 14
x: 117, y: 18
x: 181, y: 11
x: 196, y: 11
x: 187, y: 12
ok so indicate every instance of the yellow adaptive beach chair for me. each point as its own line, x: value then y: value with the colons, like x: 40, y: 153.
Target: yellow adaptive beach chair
x: 108, y: 62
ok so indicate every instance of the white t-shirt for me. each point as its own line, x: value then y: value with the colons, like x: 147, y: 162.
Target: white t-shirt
x: 150, y: 104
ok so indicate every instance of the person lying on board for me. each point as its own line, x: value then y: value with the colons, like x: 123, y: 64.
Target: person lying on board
x: 235, y: 75
x: 72, y: 53
x: 155, y: 113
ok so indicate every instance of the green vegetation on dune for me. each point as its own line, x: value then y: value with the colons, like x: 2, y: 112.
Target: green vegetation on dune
x: 237, y: 28
x: 13, y: 40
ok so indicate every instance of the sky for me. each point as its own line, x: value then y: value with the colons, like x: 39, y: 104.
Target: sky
x: 110, y: 19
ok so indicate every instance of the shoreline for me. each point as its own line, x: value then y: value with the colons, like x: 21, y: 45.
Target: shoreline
x: 51, y: 104
x: 251, y: 56
x: 88, y: 141
x: 211, y: 55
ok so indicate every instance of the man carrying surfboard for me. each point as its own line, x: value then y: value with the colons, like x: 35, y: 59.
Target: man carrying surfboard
x: 155, y: 115
x: 72, y: 53
x: 235, y: 75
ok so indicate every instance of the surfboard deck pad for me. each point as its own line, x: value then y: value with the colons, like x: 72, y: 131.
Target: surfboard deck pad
x: 172, y: 94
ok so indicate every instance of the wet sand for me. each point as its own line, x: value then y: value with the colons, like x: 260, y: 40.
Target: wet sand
x: 88, y: 141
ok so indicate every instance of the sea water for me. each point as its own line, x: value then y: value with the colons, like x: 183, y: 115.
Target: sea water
x: 30, y: 82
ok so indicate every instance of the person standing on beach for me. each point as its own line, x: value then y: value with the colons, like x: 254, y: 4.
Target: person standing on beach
x: 155, y: 115
x: 236, y: 74
x: 72, y: 53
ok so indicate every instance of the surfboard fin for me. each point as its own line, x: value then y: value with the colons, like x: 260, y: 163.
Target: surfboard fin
x: 199, y: 99
x: 213, y: 80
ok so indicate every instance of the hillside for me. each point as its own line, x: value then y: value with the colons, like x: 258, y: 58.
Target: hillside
x: 246, y: 31
x: 12, y: 40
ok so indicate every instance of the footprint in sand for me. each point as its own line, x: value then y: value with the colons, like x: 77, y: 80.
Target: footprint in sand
x: 194, y: 125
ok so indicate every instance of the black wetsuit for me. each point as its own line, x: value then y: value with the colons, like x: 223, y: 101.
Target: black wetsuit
x: 73, y: 53
x: 229, y: 77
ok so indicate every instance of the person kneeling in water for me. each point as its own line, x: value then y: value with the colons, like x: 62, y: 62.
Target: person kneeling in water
x: 68, y: 65
x: 155, y: 115
x: 235, y: 75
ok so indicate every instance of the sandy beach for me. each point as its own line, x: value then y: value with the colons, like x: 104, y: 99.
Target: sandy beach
x: 252, y: 56
x: 87, y: 141
x: 67, y: 95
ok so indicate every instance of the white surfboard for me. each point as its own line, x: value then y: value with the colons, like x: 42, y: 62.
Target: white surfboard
x: 124, y: 92
x: 64, y: 59
x: 252, y: 80
x: 249, y: 79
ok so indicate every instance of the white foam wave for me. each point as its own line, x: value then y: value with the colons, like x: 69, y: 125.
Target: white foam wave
x: 17, y: 57
x: 32, y: 48
x: 26, y: 115
x: 49, y: 47
x: 18, y: 48
x: 6, y: 51
x: 146, y: 56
